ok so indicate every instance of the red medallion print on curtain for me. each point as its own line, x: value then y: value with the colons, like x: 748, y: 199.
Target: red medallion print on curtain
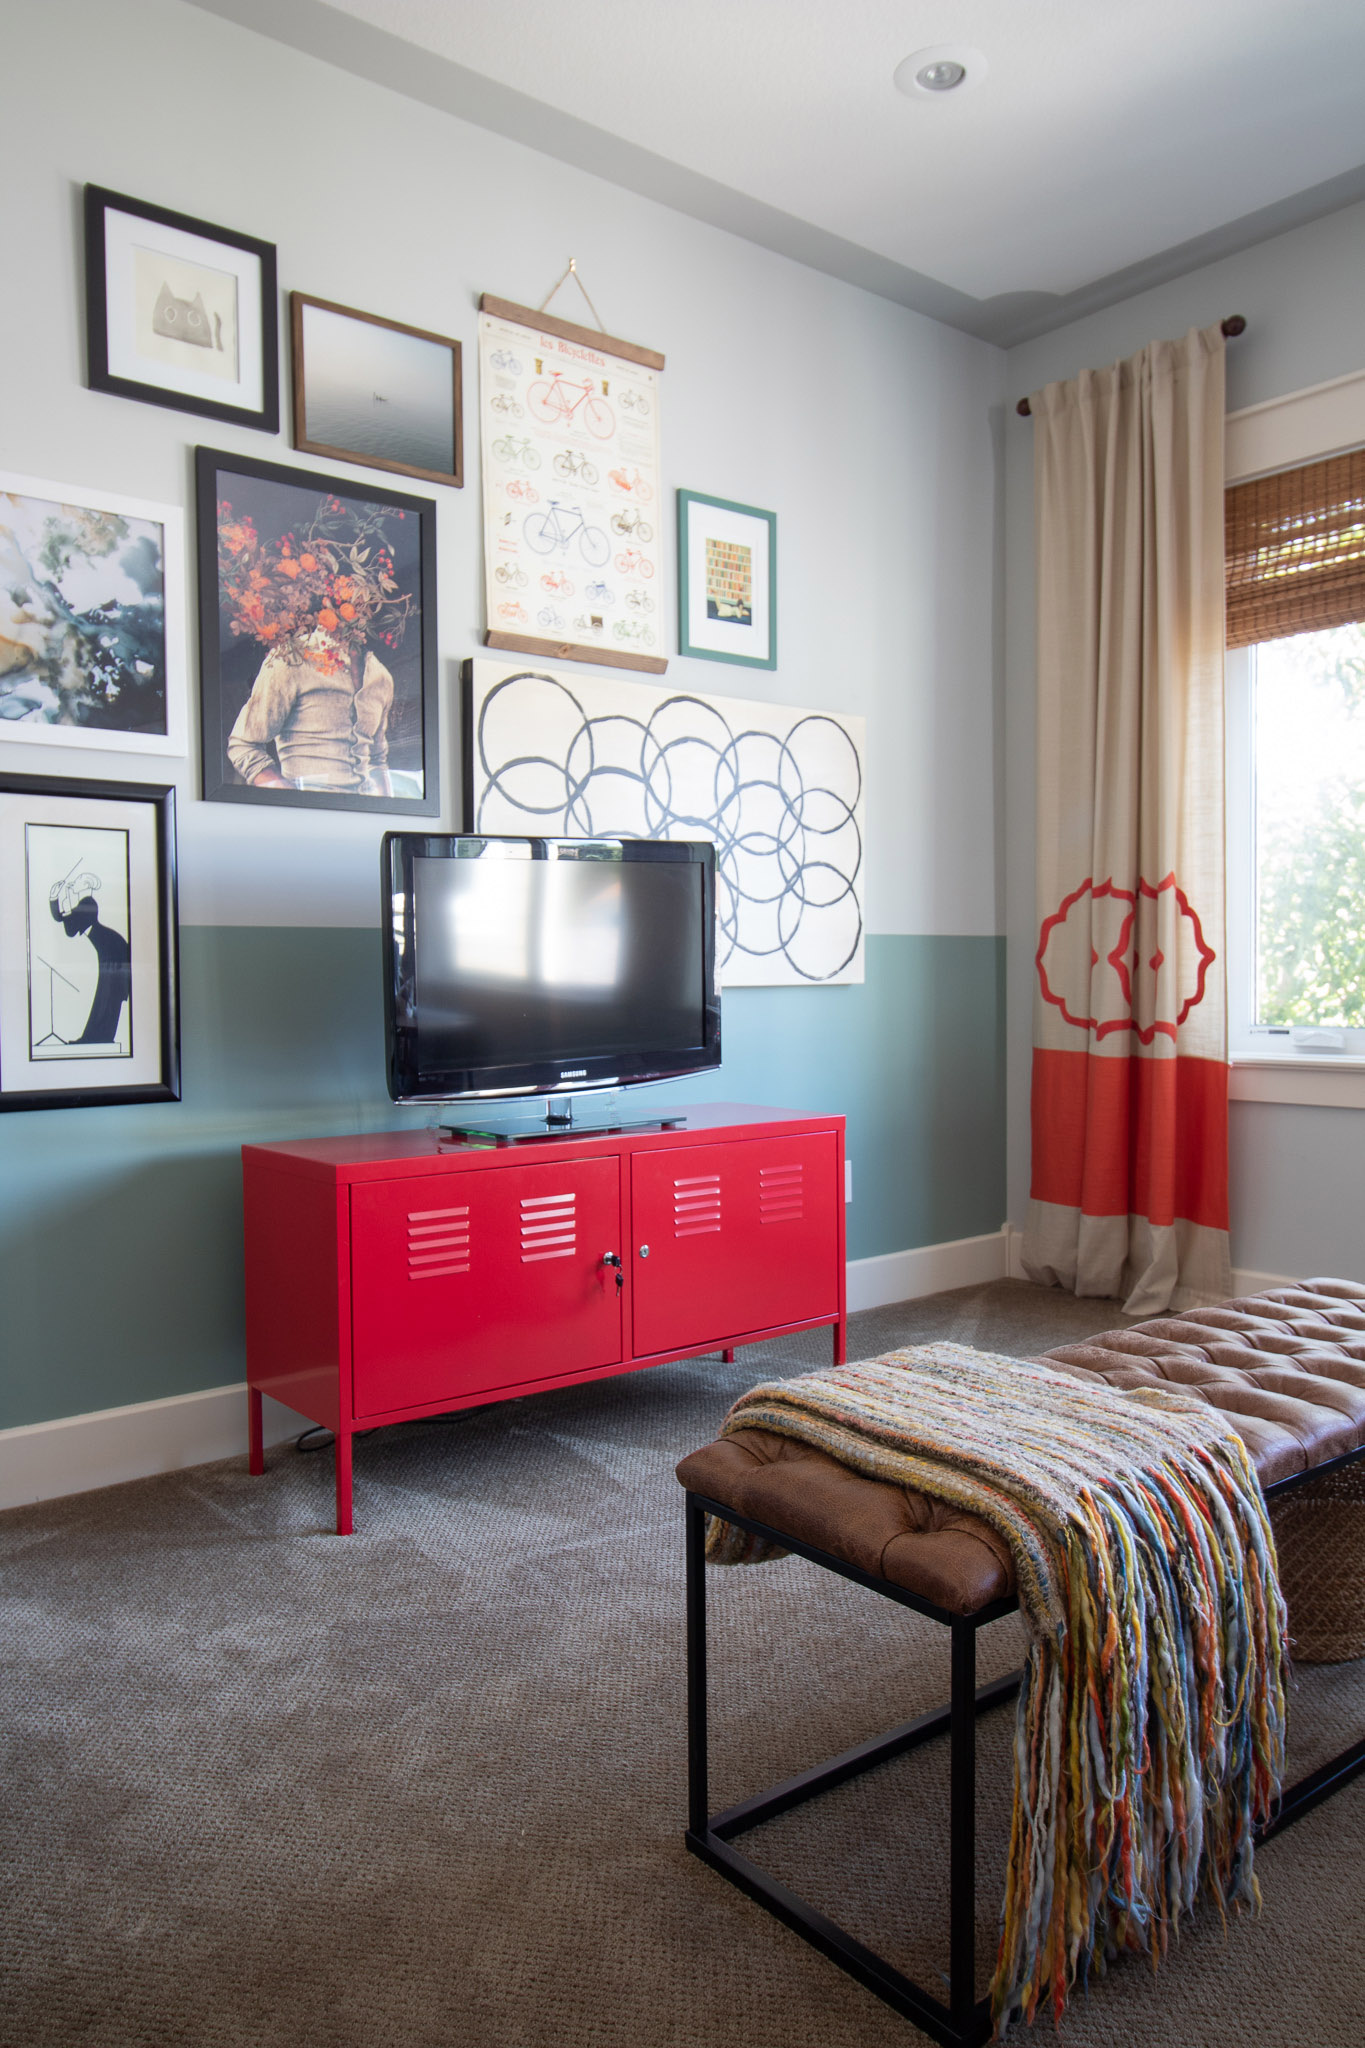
x: 1129, y: 1105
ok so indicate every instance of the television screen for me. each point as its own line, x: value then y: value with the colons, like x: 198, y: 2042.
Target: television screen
x: 540, y: 966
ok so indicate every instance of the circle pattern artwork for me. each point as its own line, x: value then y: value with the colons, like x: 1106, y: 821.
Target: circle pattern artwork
x: 780, y: 799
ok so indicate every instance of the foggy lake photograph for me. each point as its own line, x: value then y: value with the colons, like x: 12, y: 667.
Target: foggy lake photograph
x: 379, y: 393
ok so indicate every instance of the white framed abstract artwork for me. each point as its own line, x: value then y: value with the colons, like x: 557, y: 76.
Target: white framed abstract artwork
x: 776, y: 788
x: 92, y: 624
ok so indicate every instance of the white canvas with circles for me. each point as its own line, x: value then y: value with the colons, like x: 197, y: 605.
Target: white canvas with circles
x: 778, y: 790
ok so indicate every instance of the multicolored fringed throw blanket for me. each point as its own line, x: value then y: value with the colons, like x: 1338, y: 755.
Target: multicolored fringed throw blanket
x: 1150, y: 1735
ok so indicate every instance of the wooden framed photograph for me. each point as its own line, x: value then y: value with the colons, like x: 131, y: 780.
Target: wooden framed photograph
x: 317, y: 639
x: 89, y: 997
x: 727, y: 581
x: 92, y: 627
x: 373, y: 391
x: 179, y: 312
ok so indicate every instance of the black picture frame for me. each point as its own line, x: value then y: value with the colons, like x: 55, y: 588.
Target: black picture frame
x: 58, y: 812
x: 275, y: 506
x: 112, y: 315
x: 396, y: 333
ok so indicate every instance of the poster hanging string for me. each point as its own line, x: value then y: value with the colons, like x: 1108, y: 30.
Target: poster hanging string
x: 572, y: 272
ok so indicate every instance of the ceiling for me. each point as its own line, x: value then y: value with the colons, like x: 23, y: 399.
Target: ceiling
x: 1109, y: 145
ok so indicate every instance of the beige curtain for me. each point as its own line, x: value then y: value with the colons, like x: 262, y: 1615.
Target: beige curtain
x: 1129, y: 1110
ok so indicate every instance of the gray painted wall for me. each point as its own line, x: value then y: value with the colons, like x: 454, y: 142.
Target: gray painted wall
x: 1298, y: 1175
x: 867, y: 428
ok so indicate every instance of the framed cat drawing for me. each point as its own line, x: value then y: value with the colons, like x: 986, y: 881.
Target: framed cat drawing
x: 179, y: 312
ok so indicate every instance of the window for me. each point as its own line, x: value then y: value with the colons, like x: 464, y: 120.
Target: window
x: 1296, y: 764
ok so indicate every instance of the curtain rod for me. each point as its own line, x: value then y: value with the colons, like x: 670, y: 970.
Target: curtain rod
x: 1234, y: 325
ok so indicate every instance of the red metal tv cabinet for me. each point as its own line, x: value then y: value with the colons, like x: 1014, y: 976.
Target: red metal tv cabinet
x: 403, y: 1274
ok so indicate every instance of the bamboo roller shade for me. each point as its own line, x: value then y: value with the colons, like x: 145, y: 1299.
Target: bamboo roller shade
x: 1296, y: 550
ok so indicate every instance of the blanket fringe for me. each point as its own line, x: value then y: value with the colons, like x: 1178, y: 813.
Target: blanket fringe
x: 1150, y: 1731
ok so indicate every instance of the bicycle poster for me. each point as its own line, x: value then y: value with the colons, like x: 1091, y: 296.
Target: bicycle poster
x: 569, y: 426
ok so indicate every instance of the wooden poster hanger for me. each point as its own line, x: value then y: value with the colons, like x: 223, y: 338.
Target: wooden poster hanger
x: 568, y: 330
x: 572, y: 272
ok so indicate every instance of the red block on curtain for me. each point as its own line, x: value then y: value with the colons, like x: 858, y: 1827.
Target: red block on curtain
x: 1130, y: 1080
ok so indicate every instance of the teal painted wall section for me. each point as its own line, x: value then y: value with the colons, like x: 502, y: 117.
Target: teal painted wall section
x: 120, y: 1229
x: 913, y: 1058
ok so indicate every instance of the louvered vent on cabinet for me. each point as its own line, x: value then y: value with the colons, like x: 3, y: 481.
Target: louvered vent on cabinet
x: 548, y: 1228
x: 696, y: 1204
x: 438, y: 1242
x: 779, y: 1194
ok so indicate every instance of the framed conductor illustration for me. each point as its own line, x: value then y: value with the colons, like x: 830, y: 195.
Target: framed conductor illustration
x: 89, y: 1010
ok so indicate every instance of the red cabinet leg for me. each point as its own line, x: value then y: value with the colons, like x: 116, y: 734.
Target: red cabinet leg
x: 840, y: 1341
x: 255, y: 1446
x: 728, y: 1357
x: 343, y: 1458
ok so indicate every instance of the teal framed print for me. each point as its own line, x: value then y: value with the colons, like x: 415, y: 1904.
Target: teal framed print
x: 727, y: 581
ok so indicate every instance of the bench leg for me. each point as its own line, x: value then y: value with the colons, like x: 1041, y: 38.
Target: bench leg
x: 963, y: 2023
x: 962, y: 1826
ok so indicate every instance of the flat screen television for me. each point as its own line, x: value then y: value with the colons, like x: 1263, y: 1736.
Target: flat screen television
x: 523, y: 967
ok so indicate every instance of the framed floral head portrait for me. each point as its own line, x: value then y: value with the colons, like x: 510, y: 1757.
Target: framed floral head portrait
x: 317, y: 623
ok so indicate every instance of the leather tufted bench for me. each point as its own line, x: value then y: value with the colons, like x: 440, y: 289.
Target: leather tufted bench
x: 1287, y: 1366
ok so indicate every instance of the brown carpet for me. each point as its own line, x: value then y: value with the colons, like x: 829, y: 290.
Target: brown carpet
x: 423, y: 1787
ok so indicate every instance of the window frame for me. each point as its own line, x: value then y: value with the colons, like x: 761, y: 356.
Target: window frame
x: 1277, y: 433
x: 1328, y: 1079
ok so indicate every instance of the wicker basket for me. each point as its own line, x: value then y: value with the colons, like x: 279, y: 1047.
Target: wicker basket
x: 1320, y: 1537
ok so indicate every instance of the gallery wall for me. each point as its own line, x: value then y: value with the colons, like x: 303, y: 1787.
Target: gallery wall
x: 870, y: 431
x: 1295, y: 1171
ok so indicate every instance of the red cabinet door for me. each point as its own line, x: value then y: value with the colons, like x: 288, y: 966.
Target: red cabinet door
x: 739, y: 1237
x: 488, y: 1278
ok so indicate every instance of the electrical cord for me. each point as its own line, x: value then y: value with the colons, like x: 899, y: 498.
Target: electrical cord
x: 320, y: 1438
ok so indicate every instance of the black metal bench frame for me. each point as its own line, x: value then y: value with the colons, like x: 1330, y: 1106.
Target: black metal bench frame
x: 965, y: 2021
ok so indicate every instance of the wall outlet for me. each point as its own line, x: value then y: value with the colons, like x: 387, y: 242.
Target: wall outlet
x: 848, y: 1180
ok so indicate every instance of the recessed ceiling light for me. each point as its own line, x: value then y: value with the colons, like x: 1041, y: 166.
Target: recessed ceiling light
x: 940, y: 69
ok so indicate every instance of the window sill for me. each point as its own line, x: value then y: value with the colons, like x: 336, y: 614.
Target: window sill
x: 1310, y: 1079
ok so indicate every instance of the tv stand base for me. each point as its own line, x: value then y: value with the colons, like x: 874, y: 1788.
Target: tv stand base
x: 535, y: 1131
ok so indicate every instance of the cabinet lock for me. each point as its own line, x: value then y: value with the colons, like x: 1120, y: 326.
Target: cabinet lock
x: 613, y: 1260
x: 644, y: 1251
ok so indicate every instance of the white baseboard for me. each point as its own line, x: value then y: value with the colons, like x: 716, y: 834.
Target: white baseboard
x: 45, y: 1460
x: 1244, y: 1281
x: 928, y: 1269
